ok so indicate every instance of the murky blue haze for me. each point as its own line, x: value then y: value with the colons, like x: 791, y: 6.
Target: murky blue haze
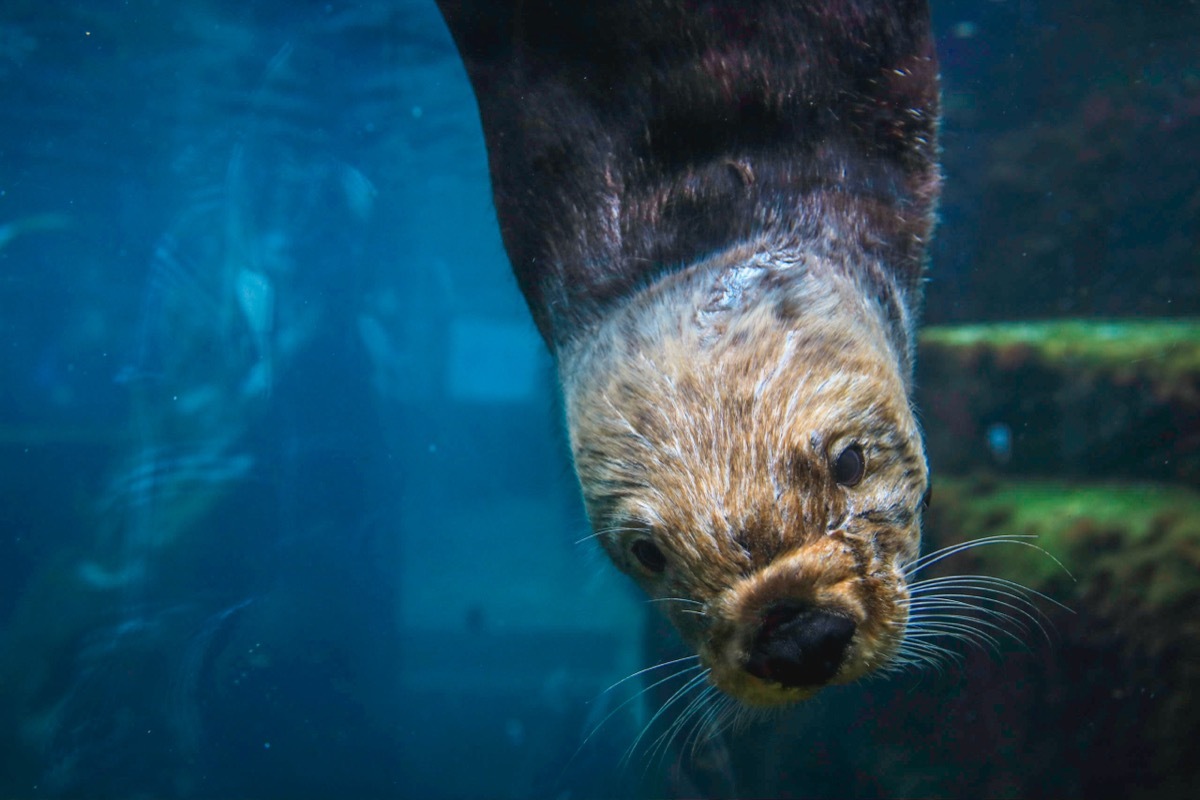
x: 285, y: 504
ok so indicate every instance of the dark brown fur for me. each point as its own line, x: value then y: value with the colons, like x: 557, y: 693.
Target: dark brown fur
x: 621, y: 134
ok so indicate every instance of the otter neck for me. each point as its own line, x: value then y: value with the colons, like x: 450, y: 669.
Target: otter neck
x: 806, y: 292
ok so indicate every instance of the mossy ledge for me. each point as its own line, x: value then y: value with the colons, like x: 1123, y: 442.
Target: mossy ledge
x: 1067, y: 398
x: 1137, y: 544
x: 1165, y: 352
x: 1119, y: 666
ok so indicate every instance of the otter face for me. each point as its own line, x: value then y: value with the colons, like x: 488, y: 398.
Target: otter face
x: 762, y: 477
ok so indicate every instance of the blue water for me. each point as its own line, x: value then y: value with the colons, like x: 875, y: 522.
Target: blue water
x: 285, y: 504
x: 287, y: 507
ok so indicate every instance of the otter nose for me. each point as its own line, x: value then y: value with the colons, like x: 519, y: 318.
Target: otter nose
x: 797, y: 645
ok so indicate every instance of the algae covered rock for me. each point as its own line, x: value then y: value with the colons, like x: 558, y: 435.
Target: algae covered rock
x: 1065, y: 398
x: 1113, y: 684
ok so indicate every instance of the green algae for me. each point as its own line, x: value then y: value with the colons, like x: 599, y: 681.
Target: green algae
x: 1084, y: 399
x: 1165, y: 350
x: 1136, y: 542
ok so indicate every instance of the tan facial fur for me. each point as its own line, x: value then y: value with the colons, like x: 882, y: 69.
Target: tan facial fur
x: 705, y: 416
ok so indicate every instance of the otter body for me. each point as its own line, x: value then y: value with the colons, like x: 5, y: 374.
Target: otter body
x: 718, y: 215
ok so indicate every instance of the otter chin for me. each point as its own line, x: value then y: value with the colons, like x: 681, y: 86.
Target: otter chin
x: 718, y: 214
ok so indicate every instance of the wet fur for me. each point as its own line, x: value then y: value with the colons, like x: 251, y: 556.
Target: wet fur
x: 705, y: 415
x: 631, y: 138
x: 718, y: 214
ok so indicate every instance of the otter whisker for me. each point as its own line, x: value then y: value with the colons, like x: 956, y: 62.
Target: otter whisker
x: 962, y: 600
x: 975, y: 592
x: 960, y: 632
x: 701, y: 612
x: 937, y: 630
x: 929, y: 617
x: 674, y: 600
x: 929, y: 559
x: 919, y: 646
x: 638, y: 694
x: 997, y: 618
x: 971, y: 602
x: 926, y: 652
x: 596, y: 729
x: 706, y: 726
x: 606, y: 532
x: 693, y: 712
x: 986, y: 583
x: 901, y: 664
x: 651, y: 669
x: 1000, y: 620
x: 917, y: 664
x: 919, y: 655
x: 721, y: 712
x: 681, y: 692
x: 967, y: 641
x: 929, y: 653
x: 975, y: 609
x: 735, y: 716
x: 944, y: 620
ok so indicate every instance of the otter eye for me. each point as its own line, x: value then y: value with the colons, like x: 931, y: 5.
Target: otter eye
x: 927, y: 497
x: 649, y: 555
x: 849, y: 466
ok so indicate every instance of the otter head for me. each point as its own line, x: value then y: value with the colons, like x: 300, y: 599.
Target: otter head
x: 743, y: 436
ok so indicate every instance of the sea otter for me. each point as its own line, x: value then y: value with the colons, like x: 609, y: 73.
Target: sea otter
x: 718, y: 213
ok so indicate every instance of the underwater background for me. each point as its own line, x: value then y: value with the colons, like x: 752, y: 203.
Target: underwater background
x: 285, y: 504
